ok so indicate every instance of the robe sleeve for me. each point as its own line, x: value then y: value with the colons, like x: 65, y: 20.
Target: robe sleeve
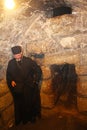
x: 37, y: 74
x: 9, y: 77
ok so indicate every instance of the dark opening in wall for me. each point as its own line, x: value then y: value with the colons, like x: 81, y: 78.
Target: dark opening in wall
x: 58, y: 11
x: 64, y: 82
x: 61, y: 11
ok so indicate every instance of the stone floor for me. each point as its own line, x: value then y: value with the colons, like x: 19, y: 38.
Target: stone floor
x: 61, y: 117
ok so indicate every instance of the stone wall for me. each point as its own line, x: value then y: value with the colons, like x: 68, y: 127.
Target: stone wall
x: 6, y: 106
x: 61, y: 39
x: 63, y: 36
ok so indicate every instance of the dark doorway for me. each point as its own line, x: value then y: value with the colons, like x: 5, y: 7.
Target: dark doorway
x: 64, y: 80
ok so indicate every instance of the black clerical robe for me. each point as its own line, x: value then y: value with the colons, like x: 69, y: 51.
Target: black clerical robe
x: 26, y: 93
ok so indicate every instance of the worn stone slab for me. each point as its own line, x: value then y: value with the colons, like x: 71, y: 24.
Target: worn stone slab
x: 3, y: 87
x: 5, y: 101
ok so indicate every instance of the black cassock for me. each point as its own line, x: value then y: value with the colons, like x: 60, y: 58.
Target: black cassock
x: 26, y: 93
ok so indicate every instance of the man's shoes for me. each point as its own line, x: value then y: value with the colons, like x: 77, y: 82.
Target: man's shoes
x: 39, y: 116
x: 17, y: 123
x: 25, y: 122
x: 33, y: 120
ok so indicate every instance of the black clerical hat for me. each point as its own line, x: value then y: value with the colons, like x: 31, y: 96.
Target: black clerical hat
x: 16, y: 49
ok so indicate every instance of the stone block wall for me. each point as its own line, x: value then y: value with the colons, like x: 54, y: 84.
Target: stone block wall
x: 48, y: 96
x: 6, y: 106
x: 62, y: 39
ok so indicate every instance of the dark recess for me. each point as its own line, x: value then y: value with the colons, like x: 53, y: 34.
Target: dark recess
x: 61, y: 11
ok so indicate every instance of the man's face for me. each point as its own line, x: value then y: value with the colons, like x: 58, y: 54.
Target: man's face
x: 18, y: 57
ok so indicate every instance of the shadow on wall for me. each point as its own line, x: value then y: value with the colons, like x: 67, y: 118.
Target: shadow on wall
x: 64, y: 81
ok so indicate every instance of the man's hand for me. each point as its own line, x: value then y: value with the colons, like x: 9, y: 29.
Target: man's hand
x: 13, y: 83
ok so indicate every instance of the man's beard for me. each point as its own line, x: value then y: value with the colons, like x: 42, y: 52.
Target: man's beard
x: 18, y: 59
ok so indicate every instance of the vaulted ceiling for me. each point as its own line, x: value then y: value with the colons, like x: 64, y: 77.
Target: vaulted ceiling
x: 48, y: 4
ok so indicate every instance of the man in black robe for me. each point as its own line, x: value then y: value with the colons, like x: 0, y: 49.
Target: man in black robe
x: 23, y: 76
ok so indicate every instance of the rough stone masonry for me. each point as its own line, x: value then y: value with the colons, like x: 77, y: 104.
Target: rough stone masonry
x: 62, y: 39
